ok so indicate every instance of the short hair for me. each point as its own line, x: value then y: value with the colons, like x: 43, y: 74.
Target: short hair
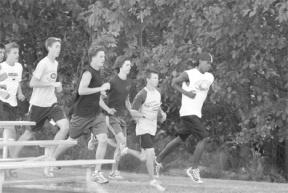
x: 2, y: 46
x: 10, y: 46
x: 94, y: 49
x: 148, y: 72
x: 50, y: 41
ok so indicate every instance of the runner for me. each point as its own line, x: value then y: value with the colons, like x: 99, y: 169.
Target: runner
x: 118, y: 99
x: 87, y: 110
x: 11, y: 73
x: 146, y: 108
x: 195, y: 86
x: 3, y: 93
x: 43, y: 102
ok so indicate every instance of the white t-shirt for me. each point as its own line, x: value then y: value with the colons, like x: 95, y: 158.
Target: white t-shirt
x: 148, y: 103
x: 12, y: 82
x: 201, y: 84
x: 46, y: 71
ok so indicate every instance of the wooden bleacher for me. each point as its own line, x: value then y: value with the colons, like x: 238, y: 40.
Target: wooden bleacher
x: 40, y: 161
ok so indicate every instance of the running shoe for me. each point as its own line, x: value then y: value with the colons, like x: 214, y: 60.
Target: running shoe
x: 156, y: 185
x: 97, y: 176
x: 157, y: 168
x: 194, y: 174
x: 115, y: 175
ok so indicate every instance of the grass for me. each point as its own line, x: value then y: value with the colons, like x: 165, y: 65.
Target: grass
x: 133, y: 183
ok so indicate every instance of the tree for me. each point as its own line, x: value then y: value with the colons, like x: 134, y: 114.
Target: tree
x: 248, y: 39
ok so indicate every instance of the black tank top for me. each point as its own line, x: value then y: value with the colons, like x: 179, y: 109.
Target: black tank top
x: 88, y: 105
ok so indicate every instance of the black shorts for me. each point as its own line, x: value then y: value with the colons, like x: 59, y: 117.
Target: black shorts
x: 40, y: 114
x: 116, y: 125
x: 146, y: 141
x: 79, y: 125
x: 8, y: 112
x: 192, y: 125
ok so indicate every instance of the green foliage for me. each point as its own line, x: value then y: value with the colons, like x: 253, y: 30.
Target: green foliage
x: 248, y: 39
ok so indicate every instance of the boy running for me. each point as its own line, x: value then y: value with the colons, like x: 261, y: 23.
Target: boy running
x: 3, y: 93
x: 195, y: 86
x: 11, y: 72
x: 87, y: 112
x: 43, y: 102
x: 118, y: 99
x: 146, y: 108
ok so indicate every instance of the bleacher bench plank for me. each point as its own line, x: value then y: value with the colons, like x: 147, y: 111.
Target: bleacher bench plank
x: 36, y: 164
x: 37, y: 142
x: 16, y: 159
x: 17, y: 123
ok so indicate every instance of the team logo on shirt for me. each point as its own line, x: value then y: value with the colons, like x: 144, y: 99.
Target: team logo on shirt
x: 53, y: 76
x: 152, y: 106
x: 202, y: 85
x: 12, y: 75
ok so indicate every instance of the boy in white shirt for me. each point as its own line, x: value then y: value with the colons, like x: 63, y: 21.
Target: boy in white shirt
x: 195, y: 86
x: 146, y: 108
x: 11, y: 77
x: 43, y: 102
x: 3, y: 76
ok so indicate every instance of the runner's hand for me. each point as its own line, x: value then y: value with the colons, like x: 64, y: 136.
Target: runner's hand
x: 191, y: 94
x: 21, y: 97
x: 57, y: 84
x: 111, y: 111
x: 3, y: 76
x: 215, y: 86
x: 103, y: 94
x: 59, y: 88
x: 105, y: 86
x: 164, y: 116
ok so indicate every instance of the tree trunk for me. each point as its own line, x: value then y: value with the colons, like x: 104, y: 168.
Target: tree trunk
x: 274, y: 151
x: 286, y: 159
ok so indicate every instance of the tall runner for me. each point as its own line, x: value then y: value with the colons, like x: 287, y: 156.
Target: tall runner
x: 87, y: 112
x: 43, y: 102
x: 118, y: 99
x: 195, y: 86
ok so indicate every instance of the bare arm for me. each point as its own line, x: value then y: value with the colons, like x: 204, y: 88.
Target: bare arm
x: 36, y: 83
x: 84, y: 83
x: 128, y: 104
x: 136, y: 114
x: 19, y: 90
x: 178, y: 81
x: 3, y: 76
x: 21, y: 97
x: 164, y: 115
x: 4, y: 94
x: 105, y: 107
